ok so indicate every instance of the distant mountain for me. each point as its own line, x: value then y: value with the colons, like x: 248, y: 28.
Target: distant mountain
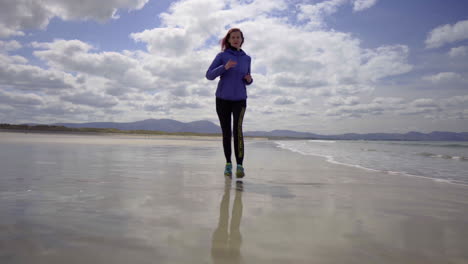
x: 165, y: 125
x: 173, y: 126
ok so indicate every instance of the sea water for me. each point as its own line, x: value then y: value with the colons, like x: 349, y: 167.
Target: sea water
x: 441, y: 161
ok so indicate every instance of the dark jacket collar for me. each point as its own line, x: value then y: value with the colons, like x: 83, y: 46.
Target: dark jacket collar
x: 235, y: 52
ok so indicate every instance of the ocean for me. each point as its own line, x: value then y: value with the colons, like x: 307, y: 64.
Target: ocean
x: 440, y: 161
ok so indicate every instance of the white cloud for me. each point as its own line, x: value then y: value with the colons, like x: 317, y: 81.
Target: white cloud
x: 398, y: 108
x: 166, y: 41
x: 110, y: 82
x: 424, y: 107
x: 339, y: 100
x: 8, y: 59
x: 74, y: 56
x: 23, y: 99
x: 378, y: 106
x: 28, y: 77
x: 19, y: 15
x: 182, y: 32
x: 6, y: 46
x: 458, y: 52
x: 286, y: 100
x: 385, y: 61
x: 444, y: 77
x: 424, y: 102
x: 360, y: 5
x: 91, y: 99
x: 315, y: 13
x: 327, y: 61
x: 447, y: 34
x: 57, y: 110
x: 90, y: 9
x: 456, y: 101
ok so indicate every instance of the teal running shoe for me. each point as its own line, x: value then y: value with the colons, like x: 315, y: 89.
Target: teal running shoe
x: 240, y: 171
x: 228, y: 170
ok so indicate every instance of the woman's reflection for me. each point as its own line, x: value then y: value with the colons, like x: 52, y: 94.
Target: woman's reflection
x: 225, y: 246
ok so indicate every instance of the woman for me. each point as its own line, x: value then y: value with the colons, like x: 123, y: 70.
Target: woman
x: 233, y: 67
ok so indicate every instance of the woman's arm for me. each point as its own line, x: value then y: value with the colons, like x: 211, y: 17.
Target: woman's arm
x: 248, y: 78
x: 216, y: 68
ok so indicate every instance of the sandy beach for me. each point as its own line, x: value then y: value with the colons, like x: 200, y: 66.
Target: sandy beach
x: 156, y: 199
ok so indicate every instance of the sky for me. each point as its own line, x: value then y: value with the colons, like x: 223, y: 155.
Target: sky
x: 327, y: 67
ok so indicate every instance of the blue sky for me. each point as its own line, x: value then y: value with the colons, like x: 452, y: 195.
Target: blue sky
x: 329, y: 67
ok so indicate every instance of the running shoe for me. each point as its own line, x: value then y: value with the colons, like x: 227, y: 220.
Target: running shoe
x: 228, y: 170
x: 240, y: 171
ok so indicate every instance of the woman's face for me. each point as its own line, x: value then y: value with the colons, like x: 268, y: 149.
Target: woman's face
x: 235, y: 39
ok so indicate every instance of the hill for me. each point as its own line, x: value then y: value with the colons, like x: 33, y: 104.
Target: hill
x: 164, y: 125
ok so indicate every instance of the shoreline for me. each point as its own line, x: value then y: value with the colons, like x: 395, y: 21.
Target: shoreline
x: 395, y: 170
x: 97, y: 131
x: 398, y: 173
x: 156, y: 134
x: 178, y: 140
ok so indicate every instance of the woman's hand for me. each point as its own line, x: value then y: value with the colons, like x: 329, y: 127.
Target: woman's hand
x: 248, y: 78
x: 230, y: 64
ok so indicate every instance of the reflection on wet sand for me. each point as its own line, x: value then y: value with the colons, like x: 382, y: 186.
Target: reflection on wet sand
x: 227, y: 240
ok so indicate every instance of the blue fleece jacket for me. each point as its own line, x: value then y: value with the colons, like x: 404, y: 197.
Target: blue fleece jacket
x: 231, y: 85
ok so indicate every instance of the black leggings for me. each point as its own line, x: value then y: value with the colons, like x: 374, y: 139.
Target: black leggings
x: 225, y: 108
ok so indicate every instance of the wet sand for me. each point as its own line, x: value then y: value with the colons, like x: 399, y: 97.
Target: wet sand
x: 120, y: 199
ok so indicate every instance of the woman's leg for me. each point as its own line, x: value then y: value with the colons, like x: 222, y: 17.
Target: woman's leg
x: 223, y: 109
x: 238, y: 111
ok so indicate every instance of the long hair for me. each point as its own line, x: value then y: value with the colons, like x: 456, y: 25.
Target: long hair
x: 225, y: 43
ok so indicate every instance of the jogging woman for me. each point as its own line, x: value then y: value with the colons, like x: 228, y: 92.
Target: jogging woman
x: 232, y: 65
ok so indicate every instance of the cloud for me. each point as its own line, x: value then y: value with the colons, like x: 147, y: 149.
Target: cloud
x: 329, y: 62
x: 424, y: 102
x: 74, y: 56
x: 19, y: 15
x: 447, y: 34
x: 89, y: 9
x: 451, y: 108
x: 425, y: 107
x: 458, y: 52
x: 6, y: 46
x: 315, y: 14
x: 166, y: 41
x: 20, y: 99
x: 394, y: 107
x: 28, y: 77
x: 119, y: 81
x: 14, y: 59
x: 91, y: 99
x: 445, y: 77
x: 339, y: 100
x: 182, y: 32
x: 385, y: 61
x: 456, y: 101
x: 360, y: 5
x: 378, y: 106
x: 285, y: 100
